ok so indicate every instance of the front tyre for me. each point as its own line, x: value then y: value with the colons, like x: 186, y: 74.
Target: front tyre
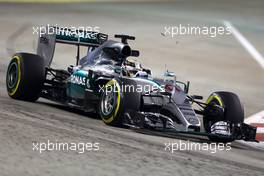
x: 111, y: 107
x: 25, y: 76
x: 233, y: 112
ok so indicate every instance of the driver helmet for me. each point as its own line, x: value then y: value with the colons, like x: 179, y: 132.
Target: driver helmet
x: 132, y: 66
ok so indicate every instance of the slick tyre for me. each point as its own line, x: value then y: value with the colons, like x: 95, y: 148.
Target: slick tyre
x: 233, y: 111
x: 25, y: 76
x: 111, y: 108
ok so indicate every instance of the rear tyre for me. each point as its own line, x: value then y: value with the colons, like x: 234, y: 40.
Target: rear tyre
x: 25, y: 76
x: 111, y: 107
x: 233, y: 112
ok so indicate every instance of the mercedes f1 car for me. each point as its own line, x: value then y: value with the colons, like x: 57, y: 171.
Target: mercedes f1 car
x: 120, y: 90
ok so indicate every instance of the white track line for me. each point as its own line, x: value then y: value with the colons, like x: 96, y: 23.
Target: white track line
x: 256, y: 118
x: 247, y: 45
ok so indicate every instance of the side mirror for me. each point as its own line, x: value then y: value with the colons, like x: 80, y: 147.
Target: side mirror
x: 184, y: 86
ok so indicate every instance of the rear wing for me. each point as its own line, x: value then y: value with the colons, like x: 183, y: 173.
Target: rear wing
x: 49, y: 36
x: 79, y: 37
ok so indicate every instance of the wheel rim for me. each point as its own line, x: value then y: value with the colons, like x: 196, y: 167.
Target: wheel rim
x: 12, y: 75
x: 108, y: 101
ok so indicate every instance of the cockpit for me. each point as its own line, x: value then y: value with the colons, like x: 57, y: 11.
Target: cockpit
x: 100, y: 56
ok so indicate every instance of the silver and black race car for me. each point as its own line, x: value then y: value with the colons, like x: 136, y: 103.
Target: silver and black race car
x: 120, y: 90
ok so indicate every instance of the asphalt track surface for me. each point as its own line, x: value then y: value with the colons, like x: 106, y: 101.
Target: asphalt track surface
x: 210, y: 64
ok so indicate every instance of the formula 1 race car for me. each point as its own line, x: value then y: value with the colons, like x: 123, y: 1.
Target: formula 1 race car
x: 120, y: 90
